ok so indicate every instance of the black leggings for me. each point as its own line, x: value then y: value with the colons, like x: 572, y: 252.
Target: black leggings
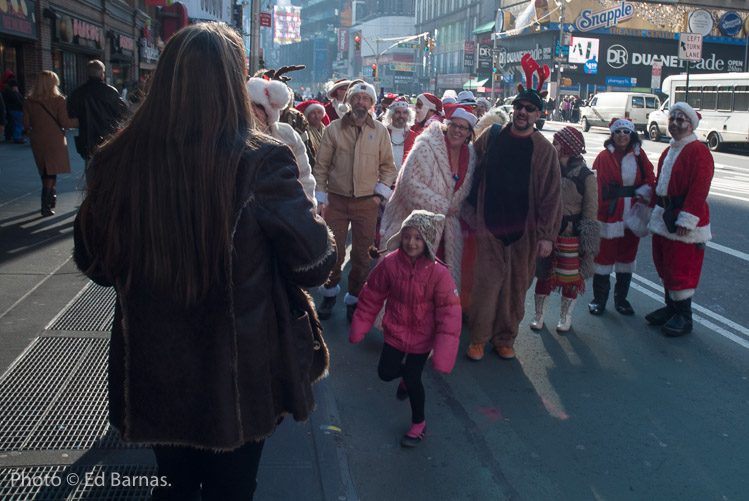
x: 223, y: 475
x: 392, y: 367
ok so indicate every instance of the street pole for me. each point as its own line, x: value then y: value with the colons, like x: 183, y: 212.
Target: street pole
x: 559, y: 58
x: 255, y: 37
x: 494, y: 52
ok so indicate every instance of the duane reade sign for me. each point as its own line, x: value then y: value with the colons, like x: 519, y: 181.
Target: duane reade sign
x: 690, y: 46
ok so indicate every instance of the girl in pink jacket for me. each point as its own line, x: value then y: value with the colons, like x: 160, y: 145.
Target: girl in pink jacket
x: 422, y: 313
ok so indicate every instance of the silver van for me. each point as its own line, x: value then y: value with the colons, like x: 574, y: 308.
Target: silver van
x: 658, y: 122
x: 605, y: 106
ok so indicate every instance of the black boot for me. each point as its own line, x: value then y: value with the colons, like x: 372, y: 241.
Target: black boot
x: 681, y: 321
x: 661, y: 315
x: 326, y: 308
x: 53, y: 199
x: 46, y: 209
x: 621, y: 289
x: 601, y: 286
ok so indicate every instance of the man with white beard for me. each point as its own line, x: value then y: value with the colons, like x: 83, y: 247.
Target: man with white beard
x: 336, y: 108
x: 398, y: 120
x: 428, y: 109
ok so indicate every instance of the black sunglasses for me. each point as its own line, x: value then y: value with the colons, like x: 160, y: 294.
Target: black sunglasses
x: 626, y: 132
x: 528, y: 107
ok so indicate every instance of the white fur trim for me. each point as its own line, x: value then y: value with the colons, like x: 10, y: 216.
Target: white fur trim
x: 602, y: 269
x: 682, y: 294
x: 332, y: 292
x: 688, y: 111
x: 349, y: 299
x: 698, y: 235
x: 272, y: 95
x: 361, y: 88
x: 321, y: 197
x: 664, y: 176
x: 687, y: 220
x: 645, y: 192
x: 312, y: 107
x: 612, y: 230
x: 468, y: 117
x: 382, y: 189
x: 625, y: 267
x: 622, y: 123
x: 426, y: 103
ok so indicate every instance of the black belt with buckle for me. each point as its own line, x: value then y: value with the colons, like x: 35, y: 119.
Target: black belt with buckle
x: 670, y: 201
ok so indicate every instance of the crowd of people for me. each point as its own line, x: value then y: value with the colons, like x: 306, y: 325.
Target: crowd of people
x: 215, y: 216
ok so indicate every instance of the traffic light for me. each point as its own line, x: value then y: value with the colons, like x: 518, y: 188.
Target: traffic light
x: 357, y: 43
x: 261, y: 63
x: 431, y: 44
x: 425, y: 44
x: 374, y: 70
x: 566, y: 81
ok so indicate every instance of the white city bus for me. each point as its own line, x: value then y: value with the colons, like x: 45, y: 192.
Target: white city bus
x: 723, y: 101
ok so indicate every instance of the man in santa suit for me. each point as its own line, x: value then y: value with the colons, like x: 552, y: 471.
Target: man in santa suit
x: 336, y: 108
x: 398, y: 119
x: 680, y: 222
x: 428, y: 109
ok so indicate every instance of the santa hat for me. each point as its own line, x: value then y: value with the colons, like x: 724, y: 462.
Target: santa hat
x: 571, y: 141
x: 343, y: 82
x: 307, y: 106
x: 621, y: 123
x: 361, y: 88
x: 272, y: 95
x: 388, y: 98
x: 449, y: 100
x: 430, y: 102
x: 482, y: 101
x: 399, y: 103
x: 688, y: 111
x: 466, y: 97
x: 463, y: 111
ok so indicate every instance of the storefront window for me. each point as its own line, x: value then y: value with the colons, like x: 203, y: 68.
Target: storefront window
x: 8, y: 60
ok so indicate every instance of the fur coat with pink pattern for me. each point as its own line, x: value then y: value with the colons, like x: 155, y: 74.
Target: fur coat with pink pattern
x: 425, y: 182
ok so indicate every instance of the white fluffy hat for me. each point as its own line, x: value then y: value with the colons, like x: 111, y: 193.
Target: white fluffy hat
x: 692, y: 115
x: 621, y: 123
x: 272, y: 95
x: 359, y: 87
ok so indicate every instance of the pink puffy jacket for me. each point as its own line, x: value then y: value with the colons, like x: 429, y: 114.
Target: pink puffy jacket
x: 422, y: 312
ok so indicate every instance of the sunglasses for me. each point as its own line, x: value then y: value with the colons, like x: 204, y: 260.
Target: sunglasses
x: 528, y: 107
x: 679, y: 120
x: 626, y: 132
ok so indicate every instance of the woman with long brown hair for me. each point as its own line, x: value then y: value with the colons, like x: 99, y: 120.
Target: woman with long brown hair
x: 45, y: 114
x: 204, y: 230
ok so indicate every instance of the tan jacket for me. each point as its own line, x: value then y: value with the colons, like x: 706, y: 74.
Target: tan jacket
x: 48, y: 143
x: 351, y: 161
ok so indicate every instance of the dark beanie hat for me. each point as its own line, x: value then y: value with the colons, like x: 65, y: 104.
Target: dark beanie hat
x: 531, y: 95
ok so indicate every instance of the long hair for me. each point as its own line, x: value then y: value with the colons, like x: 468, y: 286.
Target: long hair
x: 634, y: 140
x: 46, y: 86
x: 161, y: 192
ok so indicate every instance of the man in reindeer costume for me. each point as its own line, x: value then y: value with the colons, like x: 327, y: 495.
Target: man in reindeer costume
x: 517, y: 196
x: 680, y: 222
x: 337, y: 106
x: 398, y: 119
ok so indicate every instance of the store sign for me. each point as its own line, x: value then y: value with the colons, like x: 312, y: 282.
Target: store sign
x: 79, y: 32
x: 583, y: 50
x: 701, y: 21
x: 606, y: 18
x: 730, y: 24
x: 265, y: 19
x: 123, y: 44
x: 485, y: 57
x: 621, y: 81
x: 148, y: 52
x: 538, y: 53
x: 18, y: 18
x: 342, y: 39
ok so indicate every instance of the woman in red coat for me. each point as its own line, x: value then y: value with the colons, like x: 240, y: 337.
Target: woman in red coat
x: 625, y: 177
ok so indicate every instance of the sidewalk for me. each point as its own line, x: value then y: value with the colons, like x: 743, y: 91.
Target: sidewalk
x: 55, y: 439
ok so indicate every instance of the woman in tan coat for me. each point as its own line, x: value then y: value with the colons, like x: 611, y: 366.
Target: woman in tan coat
x: 45, y: 115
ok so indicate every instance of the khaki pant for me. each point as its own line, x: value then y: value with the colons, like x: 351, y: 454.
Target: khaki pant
x: 503, y: 275
x: 361, y: 213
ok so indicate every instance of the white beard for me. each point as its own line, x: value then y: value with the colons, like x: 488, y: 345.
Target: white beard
x: 341, y: 108
x: 421, y: 114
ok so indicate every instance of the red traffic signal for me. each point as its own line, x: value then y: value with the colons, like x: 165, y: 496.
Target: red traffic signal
x: 374, y: 71
x: 357, y: 42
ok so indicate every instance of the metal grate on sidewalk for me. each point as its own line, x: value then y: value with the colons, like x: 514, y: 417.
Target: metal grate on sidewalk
x: 54, y: 397
x: 91, y: 310
x: 78, y: 482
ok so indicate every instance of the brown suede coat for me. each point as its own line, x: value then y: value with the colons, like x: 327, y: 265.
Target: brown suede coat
x: 222, y: 373
x: 48, y: 143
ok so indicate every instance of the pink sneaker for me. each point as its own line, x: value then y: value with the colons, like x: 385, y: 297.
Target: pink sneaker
x: 415, y: 435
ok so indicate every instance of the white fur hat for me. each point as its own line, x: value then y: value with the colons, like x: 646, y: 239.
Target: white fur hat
x: 484, y: 102
x: 621, y: 123
x: 272, y: 95
x: 399, y: 103
x: 692, y: 115
x: 360, y: 87
x: 460, y: 111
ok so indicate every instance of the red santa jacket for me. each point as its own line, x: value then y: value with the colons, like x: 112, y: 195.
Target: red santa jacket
x: 628, y: 173
x: 685, y: 169
x: 417, y: 129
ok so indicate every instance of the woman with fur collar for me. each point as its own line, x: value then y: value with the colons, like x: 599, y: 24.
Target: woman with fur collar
x: 269, y: 97
x: 437, y: 176
x: 625, y: 176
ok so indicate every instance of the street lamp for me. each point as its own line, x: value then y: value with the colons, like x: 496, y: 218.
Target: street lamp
x: 562, y: 4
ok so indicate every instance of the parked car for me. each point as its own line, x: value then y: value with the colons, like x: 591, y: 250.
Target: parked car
x: 507, y: 108
x: 606, y: 106
x: 658, y: 122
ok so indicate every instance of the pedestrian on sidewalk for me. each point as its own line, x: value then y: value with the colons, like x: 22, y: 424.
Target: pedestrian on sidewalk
x: 577, y: 244
x: 625, y: 178
x: 422, y: 313
x: 46, y: 118
x: 680, y: 222
x: 201, y: 225
x: 14, y: 109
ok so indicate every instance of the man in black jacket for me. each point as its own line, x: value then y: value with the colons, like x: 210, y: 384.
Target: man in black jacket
x: 98, y: 107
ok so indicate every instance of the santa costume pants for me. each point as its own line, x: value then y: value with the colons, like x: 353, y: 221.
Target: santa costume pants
x: 617, y: 254
x: 679, y: 265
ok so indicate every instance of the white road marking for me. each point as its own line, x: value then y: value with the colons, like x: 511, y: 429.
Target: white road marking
x: 728, y: 250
